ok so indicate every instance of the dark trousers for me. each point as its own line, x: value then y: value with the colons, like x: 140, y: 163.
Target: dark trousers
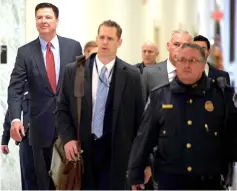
x: 101, y: 162
x: 42, y: 161
x: 28, y: 176
x: 187, y: 182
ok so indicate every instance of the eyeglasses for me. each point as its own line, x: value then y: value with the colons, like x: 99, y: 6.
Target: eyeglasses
x: 190, y: 61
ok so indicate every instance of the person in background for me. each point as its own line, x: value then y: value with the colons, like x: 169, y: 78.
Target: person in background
x: 89, y: 48
x: 164, y: 71
x: 210, y: 71
x: 41, y: 63
x: 149, y: 52
x: 28, y: 176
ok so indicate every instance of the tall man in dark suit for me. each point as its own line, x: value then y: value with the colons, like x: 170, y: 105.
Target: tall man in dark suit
x: 112, y: 107
x: 149, y: 52
x: 210, y: 70
x: 164, y: 71
x: 40, y: 62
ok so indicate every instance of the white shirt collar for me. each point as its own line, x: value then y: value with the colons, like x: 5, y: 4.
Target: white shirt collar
x: 100, y: 65
x: 170, y: 67
x: 206, y: 69
x: 54, y: 41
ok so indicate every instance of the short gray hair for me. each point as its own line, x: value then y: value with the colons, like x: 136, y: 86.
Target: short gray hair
x: 194, y: 46
x: 181, y: 31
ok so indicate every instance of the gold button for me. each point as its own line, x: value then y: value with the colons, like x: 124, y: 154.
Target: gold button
x: 189, y: 122
x: 215, y: 133
x: 164, y: 132
x: 206, y: 126
x: 190, y: 101
x: 213, y: 80
x: 188, y: 145
x: 189, y: 169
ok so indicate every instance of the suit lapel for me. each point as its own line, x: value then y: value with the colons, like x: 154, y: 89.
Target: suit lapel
x: 163, y: 73
x: 211, y: 73
x: 88, y: 87
x: 120, y: 81
x: 38, y: 56
x: 63, y: 56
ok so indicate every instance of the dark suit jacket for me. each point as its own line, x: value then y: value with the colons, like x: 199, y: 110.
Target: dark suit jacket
x: 128, y: 105
x: 30, y: 66
x: 215, y: 73
x: 141, y: 66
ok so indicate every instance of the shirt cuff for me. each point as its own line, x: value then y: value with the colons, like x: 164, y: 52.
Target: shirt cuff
x: 15, y: 120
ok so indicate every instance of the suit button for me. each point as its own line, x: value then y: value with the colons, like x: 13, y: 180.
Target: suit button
x: 213, y: 80
x: 188, y: 145
x: 206, y: 127
x: 189, y: 169
x: 164, y: 132
x: 189, y: 122
x: 190, y: 101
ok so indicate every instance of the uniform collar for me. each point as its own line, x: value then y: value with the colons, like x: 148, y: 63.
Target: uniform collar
x: 198, y: 89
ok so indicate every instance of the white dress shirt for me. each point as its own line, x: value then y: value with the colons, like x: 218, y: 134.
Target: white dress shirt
x: 206, y: 69
x: 171, y: 70
x: 95, y: 76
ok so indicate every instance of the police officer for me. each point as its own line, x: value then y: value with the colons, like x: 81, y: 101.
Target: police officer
x: 28, y: 177
x: 192, y: 120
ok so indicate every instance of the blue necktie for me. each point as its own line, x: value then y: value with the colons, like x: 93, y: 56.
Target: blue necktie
x: 101, y: 97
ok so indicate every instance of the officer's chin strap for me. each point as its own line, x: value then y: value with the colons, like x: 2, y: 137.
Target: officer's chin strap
x: 222, y: 83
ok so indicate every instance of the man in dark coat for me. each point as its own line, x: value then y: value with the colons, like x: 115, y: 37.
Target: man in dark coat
x: 41, y: 62
x: 192, y: 121
x: 112, y: 107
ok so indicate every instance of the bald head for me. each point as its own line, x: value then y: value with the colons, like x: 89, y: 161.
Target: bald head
x: 177, y: 39
x: 149, y: 53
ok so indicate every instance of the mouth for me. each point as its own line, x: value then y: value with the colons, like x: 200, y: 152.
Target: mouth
x: 104, y: 49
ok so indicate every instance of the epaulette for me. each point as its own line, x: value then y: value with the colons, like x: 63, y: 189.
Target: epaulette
x: 160, y: 86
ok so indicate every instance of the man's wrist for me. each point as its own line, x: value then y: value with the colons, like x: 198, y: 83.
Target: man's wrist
x: 15, y: 120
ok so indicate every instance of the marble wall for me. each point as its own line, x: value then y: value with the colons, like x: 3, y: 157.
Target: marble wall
x: 12, y: 34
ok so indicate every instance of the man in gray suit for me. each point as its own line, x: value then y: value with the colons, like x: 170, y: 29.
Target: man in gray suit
x: 41, y: 63
x: 165, y: 71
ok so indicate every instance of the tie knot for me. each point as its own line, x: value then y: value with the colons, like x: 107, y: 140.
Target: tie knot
x: 49, y: 45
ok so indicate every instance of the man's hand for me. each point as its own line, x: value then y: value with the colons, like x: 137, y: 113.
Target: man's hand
x: 138, y: 187
x: 4, y: 149
x: 147, y: 174
x: 17, y: 131
x: 71, y: 150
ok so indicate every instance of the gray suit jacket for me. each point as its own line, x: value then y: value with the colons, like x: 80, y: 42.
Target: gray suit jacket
x: 154, y: 75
